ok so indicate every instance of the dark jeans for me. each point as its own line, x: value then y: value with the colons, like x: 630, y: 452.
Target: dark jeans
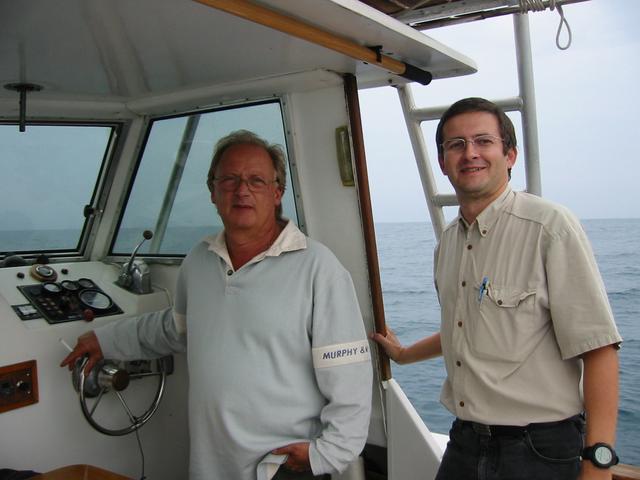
x: 284, y: 474
x: 542, y: 451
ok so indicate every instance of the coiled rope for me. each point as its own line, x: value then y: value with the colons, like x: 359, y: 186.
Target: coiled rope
x: 538, y: 6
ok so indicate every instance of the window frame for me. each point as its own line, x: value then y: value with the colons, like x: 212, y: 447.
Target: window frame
x: 92, y: 210
x: 176, y: 259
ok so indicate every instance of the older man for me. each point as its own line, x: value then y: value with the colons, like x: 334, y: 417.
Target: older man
x: 277, y: 354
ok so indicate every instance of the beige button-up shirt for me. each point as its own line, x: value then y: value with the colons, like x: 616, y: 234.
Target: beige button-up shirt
x: 521, y: 299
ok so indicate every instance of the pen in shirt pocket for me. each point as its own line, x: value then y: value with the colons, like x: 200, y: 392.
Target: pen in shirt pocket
x: 483, y: 288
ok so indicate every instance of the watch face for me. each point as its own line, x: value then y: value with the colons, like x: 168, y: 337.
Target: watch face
x: 602, y: 455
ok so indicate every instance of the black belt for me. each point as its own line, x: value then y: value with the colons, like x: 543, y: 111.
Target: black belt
x: 513, y: 430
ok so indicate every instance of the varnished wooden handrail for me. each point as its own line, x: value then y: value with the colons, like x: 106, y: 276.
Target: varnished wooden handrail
x: 353, y: 104
x: 80, y: 472
x: 626, y: 472
x: 296, y: 28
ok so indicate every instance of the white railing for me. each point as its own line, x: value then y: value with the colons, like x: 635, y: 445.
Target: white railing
x: 413, y: 451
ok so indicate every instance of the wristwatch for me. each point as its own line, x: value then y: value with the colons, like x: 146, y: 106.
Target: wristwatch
x: 601, y: 455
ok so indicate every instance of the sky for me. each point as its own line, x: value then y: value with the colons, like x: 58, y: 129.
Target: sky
x: 587, y: 97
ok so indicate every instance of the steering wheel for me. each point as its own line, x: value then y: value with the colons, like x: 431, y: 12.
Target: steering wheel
x: 114, y: 376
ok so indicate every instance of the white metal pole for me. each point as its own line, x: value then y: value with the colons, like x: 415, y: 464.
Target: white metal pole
x: 422, y: 160
x: 527, y: 92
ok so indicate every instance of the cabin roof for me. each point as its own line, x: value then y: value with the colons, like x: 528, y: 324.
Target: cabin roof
x: 427, y: 14
x: 124, y: 51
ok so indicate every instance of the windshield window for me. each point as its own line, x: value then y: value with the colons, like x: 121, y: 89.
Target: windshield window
x: 169, y: 194
x: 47, y: 175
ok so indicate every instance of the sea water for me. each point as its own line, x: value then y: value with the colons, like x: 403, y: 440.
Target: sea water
x: 405, y: 252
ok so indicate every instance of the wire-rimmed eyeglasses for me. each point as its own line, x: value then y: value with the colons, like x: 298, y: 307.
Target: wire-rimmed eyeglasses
x: 480, y: 142
x: 230, y: 183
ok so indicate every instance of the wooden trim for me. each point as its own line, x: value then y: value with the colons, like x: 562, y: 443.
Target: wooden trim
x: 80, y: 472
x: 626, y: 472
x: 14, y: 375
x: 296, y: 28
x: 292, y: 26
x: 353, y: 104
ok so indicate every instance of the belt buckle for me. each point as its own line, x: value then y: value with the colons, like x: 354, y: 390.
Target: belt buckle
x: 481, y: 429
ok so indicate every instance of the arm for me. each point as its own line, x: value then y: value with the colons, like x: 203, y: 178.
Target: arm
x: 428, y: 347
x: 601, y: 403
x: 149, y: 336
x: 343, y: 372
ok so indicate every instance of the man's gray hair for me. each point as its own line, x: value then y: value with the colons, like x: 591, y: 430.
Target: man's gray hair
x: 245, y: 137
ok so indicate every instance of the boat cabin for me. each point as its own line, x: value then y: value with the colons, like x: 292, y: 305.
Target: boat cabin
x: 109, y: 112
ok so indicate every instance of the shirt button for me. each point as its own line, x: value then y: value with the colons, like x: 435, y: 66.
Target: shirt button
x: 229, y: 272
x: 458, y: 363
x: 464, y: 284
x: 461, y: 404
x: 499, y: 302
x: 460, y: 324
x: 469, y: 247
x: 484, y: 232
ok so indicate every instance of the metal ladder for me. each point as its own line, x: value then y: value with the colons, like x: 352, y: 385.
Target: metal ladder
x: 523, y: 103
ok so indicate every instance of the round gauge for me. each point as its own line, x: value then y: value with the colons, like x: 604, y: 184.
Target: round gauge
x: 43, y: 273
x: 51, y: 288
x: 69, y: 286
x: 85, y: 283
x: 44, y: 270
x: 95, y: 299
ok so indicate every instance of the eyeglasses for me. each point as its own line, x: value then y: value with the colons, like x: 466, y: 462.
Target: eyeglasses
x: 230, y: 183
x: 480, y: 142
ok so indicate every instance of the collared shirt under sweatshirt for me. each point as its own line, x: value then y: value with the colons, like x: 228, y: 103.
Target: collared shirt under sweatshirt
x: 521, y: 299
x: 277, y: 354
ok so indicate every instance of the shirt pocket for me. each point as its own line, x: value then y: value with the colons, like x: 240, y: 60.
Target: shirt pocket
x: 505, y: 323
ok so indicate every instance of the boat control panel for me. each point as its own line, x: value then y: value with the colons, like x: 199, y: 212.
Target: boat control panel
x: 64, y: 301
x: 58, y: 297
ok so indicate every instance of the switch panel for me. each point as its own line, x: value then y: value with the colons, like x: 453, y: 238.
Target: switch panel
x: 18, y: 385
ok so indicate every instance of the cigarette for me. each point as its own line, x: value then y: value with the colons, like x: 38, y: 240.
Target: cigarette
x: 66, y: 345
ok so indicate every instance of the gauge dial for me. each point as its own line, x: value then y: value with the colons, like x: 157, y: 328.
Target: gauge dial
x: 95, y: 299
x: 44, y: 270
x: 43, y: 273
x: 85, y: 283
x: 69, y: 286
x: 51, y: 288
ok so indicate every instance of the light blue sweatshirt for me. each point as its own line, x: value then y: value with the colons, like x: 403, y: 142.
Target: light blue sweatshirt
x: 277, y: 354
